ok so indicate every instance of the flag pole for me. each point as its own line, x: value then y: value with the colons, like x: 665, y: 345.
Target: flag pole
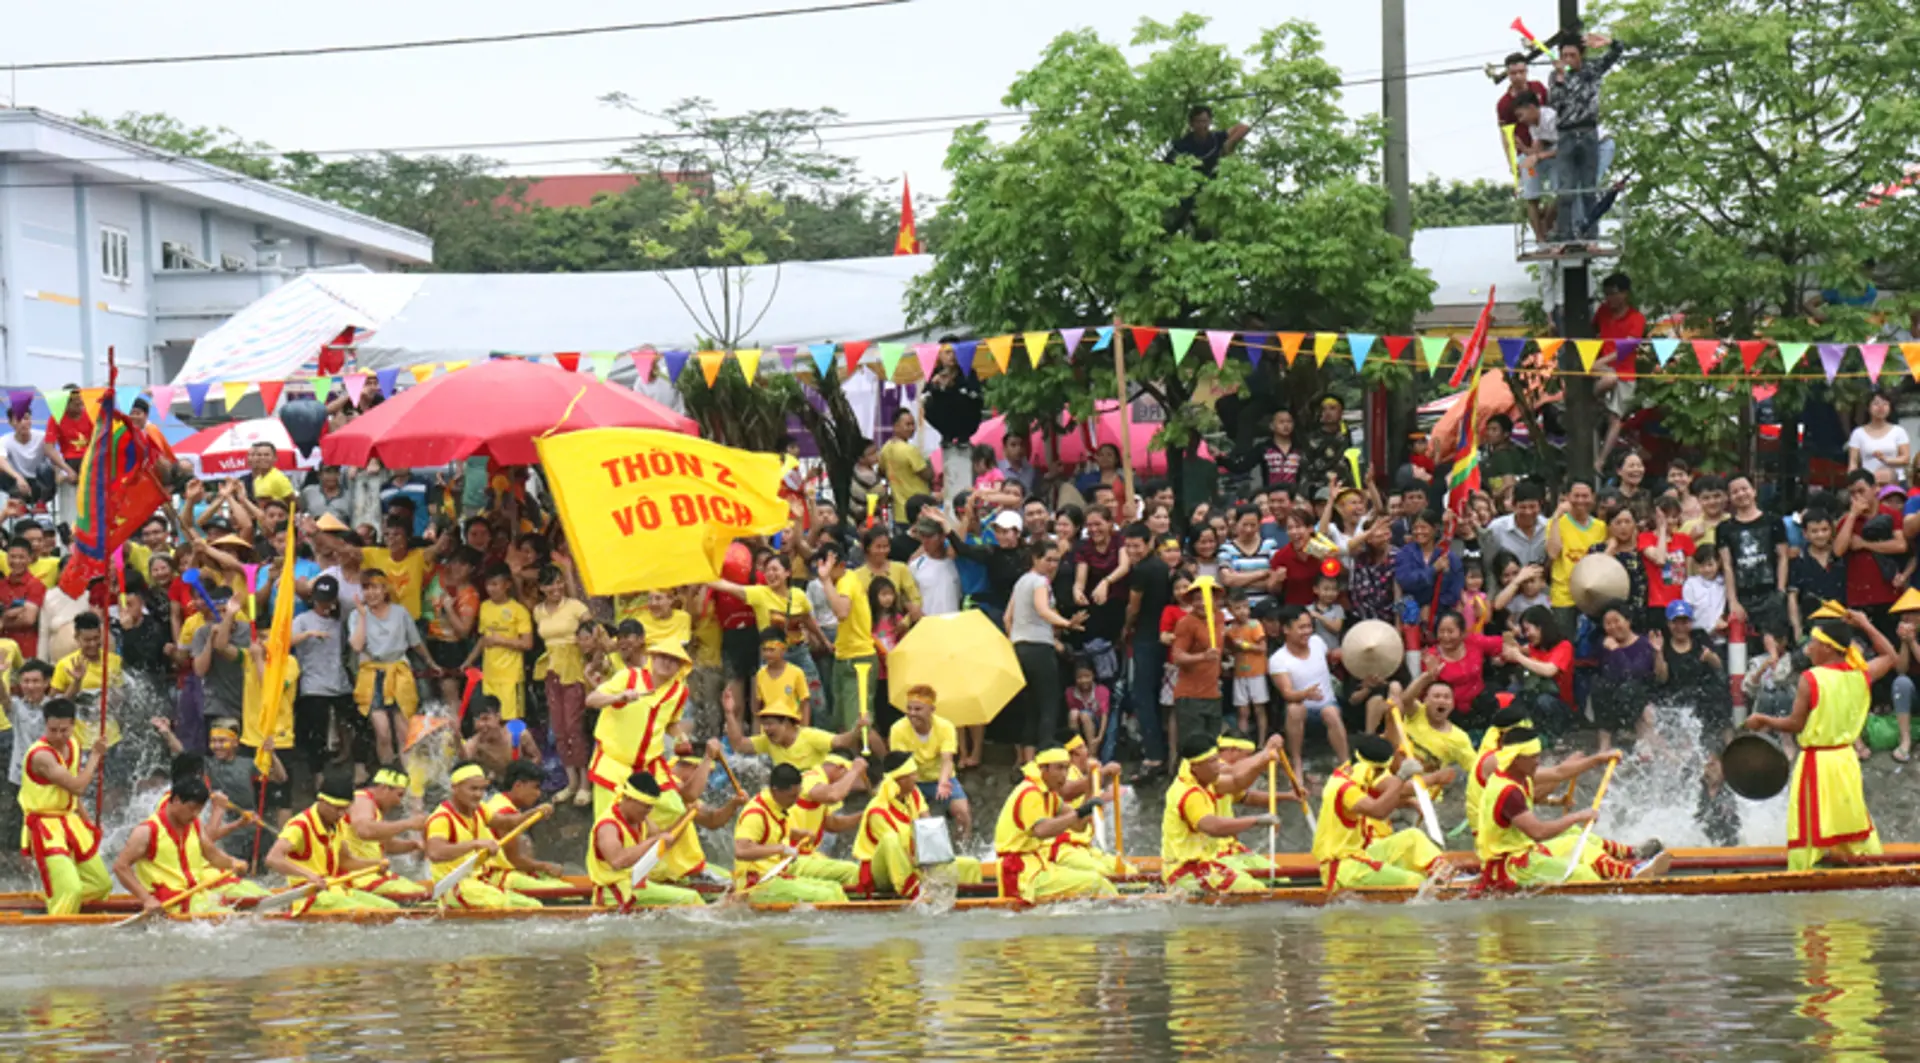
x: 103, y: 439
x: 1126, y: 419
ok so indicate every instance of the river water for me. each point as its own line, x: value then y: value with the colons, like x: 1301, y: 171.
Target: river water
x: 1770, y: 978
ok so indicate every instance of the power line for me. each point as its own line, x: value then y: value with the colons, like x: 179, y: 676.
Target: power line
x: 451, y: 42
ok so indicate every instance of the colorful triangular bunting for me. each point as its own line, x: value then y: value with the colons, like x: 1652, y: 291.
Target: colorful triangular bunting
x: 1036, y: 345
x: 1750, y: 352
x: 1323, y: 344
x: 1358, y: 344
x: 1181, y: 340
x: 852, y: 350
x: 822, y: 357
x: 1830, y: 355
x: 1432, y: 350
x: 1589, y: 352
x: 57, y: 400
x: 1103, y: 336
x: 710, y: 363
x: 963, y: 351
x: 1070, y: 340
x: 928, y: 355
x: 643, y: 360
x: 1290, y: 345
x: 1512, y: 349
x: 749, y: 362
x: 677, y: 361
x: 232, y: 391
x: 1791, y: 353
x: 1875, y: 355
x: 569, y: 360
x: 1219, y: 340
x: 1707, y: 353
x: 163, y: 401
x: 1663, y: 351
x: 890, y: 355
x: 1396, y: 345
x: 322, y: 387
x: 270, y: 394
x: 1143, y: 337
x: 1001, y: 347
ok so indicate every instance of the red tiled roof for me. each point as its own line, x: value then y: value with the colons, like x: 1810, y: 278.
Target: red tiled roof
x: 578, y: 190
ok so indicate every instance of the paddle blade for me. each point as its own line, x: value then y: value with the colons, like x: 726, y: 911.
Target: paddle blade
x: 135, y: 919
x: 776, y: 870
x: 1428, y: 816
x: 1579, y: 848
x: 276, y: 902
x: 644, y: 867
x: 455, y: 877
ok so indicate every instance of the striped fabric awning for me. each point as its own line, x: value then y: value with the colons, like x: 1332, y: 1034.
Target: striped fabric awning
x: 280, y: 335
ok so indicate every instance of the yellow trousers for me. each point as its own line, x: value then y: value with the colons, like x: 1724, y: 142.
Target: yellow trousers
x: 796, y: 890
x: 473, y: 893
x: 70, y: 884
x: 1082, y: 858
x: 825, y: 869
x: 343, y: 899
x: 1402, y: 859
x: 650, y: 895
x: 892, y: 870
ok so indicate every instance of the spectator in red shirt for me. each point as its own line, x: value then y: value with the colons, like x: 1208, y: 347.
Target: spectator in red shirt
x: 71, y: 431
x: 1870, y: 533
x: 1664, y: 551
x: 21, y: 595
x: 1616, y: 320
x: 1294, y: 570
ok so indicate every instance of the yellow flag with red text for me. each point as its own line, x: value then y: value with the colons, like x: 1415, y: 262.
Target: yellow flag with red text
x: 645, y: 509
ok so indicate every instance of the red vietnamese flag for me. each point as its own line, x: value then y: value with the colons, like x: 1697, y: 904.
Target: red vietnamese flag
x: 908, y: 242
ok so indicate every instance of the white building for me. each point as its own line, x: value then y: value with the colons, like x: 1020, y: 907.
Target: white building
x: 108, y: 243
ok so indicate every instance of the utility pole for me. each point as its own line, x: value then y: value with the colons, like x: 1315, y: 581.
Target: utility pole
x: 1576, y: 319
x: 1389, y: 416
x: 1393, y: 84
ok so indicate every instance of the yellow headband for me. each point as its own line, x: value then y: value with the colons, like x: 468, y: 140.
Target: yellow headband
x: 337, y: 802
x: 904, y: 771
x: 471, y: 771
x: 1204, y: 757
x: 1051, y: 756
x: 223, y: 732
x: 1508, y: 754
x: 390, y: 777
x: 1237, y: 743
x: 1076, y: 742
x: 1855, y: 659
x: 627, y: 791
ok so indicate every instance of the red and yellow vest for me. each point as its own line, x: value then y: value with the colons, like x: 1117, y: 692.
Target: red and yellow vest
x: 600, y: 871
x: 311, y: 845
x: 633, y: 736
x: 762, y: 822
x: 173, y: 858
x: 448, y: 824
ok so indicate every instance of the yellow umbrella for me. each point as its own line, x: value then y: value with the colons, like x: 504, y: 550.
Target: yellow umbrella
x: 965, y: 659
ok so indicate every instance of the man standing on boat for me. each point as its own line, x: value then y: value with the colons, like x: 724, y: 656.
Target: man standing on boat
x: 1826, y: 804
x: 1513, y: 842
x: 639, y: 707
x: 1030, y: 822
x: 1353, y: 842
x: 64, y: 846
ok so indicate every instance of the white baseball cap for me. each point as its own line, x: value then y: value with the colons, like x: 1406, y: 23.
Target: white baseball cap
x: 1008, y: 519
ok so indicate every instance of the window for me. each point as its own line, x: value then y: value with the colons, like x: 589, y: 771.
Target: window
x: 115, y: 258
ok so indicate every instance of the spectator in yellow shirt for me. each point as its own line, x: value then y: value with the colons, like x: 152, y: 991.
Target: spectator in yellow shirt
x: 933, y: 741
x: 664, y: 621
x: 80, y: 670
x: 263, y: 479
x: 784, y: 739
x: 406, y: 568
x: 1571, y: 533
x: 906, y: 468
x: 780, y: 683
x: 506, y: 634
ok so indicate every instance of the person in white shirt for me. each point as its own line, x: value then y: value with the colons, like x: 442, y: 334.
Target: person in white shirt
x: 1538, y: 161
x: 1880, y: 446
x: 1301, y: 674
x: 933, y: 568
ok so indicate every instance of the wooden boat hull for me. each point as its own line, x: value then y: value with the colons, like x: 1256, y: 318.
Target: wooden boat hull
x: 1900, y: 876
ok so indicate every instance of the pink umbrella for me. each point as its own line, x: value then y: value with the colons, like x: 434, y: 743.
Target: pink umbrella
x: 1077, y: 444
x: 221, y: 451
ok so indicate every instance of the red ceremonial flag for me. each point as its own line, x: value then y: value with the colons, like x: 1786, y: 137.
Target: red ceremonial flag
x: 1470, y: 358
x: 908, y: 242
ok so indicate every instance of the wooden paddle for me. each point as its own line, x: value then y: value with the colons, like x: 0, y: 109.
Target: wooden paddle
x: 287, y: 898
x: 651, y: 858
x: 728, y: 768
x: 1273, y: 810
x: 459, y: 874
x: 1587, y: 831
x: 1119, y: 832
x: 146, y: 913
x: 1428, y: 817
x: 1299, y: 788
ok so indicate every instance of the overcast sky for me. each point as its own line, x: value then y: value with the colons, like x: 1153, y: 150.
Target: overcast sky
x: 925, y: 58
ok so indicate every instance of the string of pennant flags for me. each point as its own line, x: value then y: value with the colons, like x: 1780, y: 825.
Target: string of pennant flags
x: 888, y: 359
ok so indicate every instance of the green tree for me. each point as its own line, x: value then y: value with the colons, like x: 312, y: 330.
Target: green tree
x: 1440, y: 204
x: 1078, y: 219
x: 218, y: 145
x: 475, y: 219
x: 1755, y: 138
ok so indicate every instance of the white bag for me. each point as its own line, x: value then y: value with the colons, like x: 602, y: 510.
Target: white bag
x: 931, y: 842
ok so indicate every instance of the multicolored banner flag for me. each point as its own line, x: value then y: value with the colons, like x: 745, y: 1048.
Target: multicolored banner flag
x: 118, y: 491
x: 1464, y: 479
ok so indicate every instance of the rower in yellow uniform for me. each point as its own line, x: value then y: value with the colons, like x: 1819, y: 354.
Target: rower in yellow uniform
x: 166, y: 855
x: 1511, y: 838
x: 1826, y: 803
x: 514, y: 866
x: 1241, y: 764
x: 885, y: 845
x: 371, y: 837
x: 1353, y: 842
x: 64, y: 846
x: 1030, y: 821
x: 310, y: 849
x: 1606, y: 858
x: 457, y: 829
x: 1192, y: 828
x: 619, y: 839
x: 934, y: 743
x: 817, y: 814
x: 1074, y: 847
x: 761, y: 844
x: 784, y: 739
x: 686, y: 859
x: 1426, y: 711
x: 639, y: 709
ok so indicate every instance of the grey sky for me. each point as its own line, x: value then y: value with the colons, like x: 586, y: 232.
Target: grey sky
x: 930, y: 57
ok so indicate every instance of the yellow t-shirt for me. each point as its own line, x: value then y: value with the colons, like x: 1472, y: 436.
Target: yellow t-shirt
x: 808, y: 751
x: 855, y: 637
x: 677, y: 627
x: 770, y: 611
x: 790, y: 689
x: 12, y: 658
x: 253, y: 708
x: 407, y: 577
x: 629, y: 607
x: 1575, y: 542
x: 926, y: 750
x: 907, y: 473
x: 47, y: 569
x: 500, y: 667
x: 273, y: 485
x: 64, y: 671
x: 559, y: 630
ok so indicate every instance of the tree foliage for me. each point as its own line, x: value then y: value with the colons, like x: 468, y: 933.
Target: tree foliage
x: 1441, y: 204
x: 1073, y: 221
x: 1754, y: 139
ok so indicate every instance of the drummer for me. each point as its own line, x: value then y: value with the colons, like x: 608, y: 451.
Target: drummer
x: 1826, y: 803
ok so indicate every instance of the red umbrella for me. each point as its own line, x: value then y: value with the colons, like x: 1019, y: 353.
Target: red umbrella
x: 222, y: 451
x: 495, y: 409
